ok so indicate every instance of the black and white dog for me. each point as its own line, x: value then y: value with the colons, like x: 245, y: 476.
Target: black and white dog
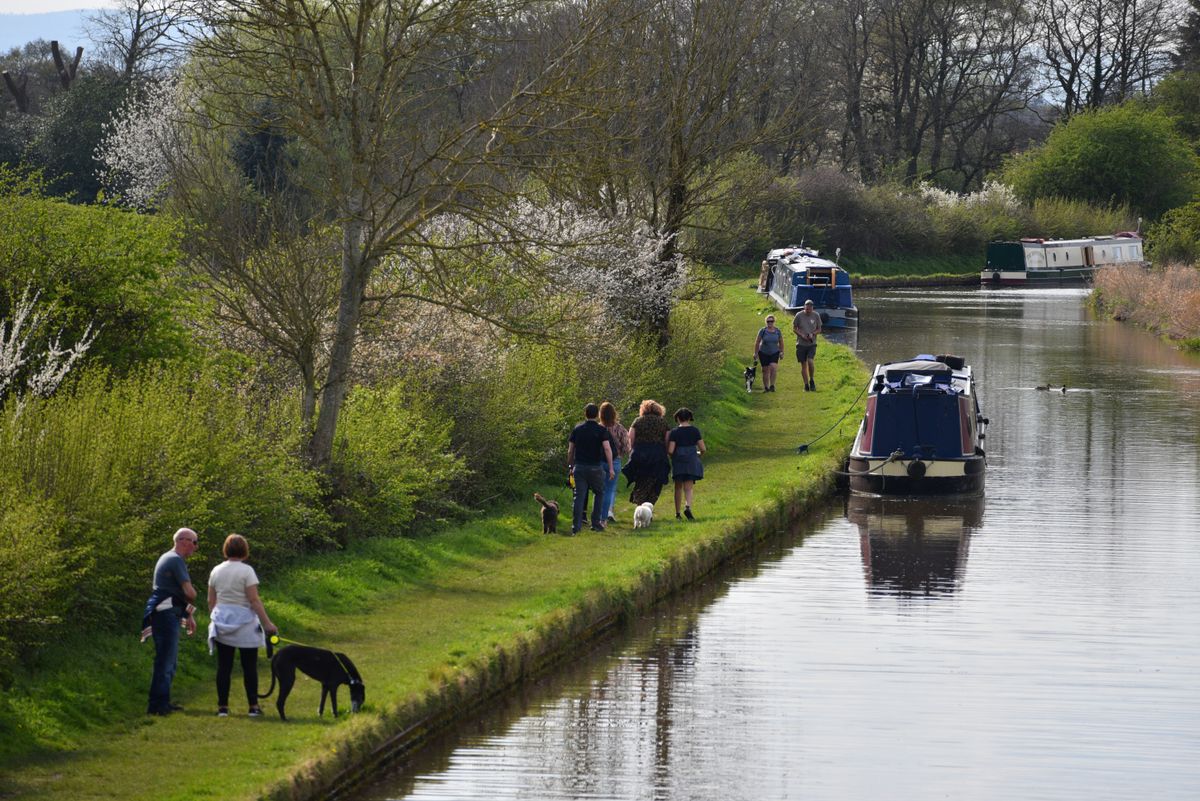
x: 749, y: 374
x: 317, y: 663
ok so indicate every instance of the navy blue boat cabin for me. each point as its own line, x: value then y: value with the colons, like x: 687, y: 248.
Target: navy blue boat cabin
x: 802, y: 275
x: 922, y: 432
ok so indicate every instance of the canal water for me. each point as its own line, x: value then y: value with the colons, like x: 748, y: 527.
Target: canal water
x: 1040, y: 643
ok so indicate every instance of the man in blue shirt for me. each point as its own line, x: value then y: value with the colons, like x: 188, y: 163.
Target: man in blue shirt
x: 588, y: 451
x: 170, y: 604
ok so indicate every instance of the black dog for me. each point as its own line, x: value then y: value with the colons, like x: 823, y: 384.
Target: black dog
x: 750, y: 371
x: 549, y: 514
x: 317, y: 663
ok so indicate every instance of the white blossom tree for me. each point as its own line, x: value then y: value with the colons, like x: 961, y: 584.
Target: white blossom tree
x: 30, y: 360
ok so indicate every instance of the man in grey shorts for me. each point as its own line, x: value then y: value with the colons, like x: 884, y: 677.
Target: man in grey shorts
x: 807, y: 324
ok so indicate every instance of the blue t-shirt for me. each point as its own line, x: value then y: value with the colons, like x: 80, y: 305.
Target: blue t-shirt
x: 170, y: 573
x: 771, y: 341
x: 684, y: 435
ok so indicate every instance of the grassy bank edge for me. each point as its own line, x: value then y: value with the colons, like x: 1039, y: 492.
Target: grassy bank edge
x: 421, y: 688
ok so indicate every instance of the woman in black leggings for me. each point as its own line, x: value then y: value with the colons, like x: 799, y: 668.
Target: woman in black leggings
x: 238, y: 621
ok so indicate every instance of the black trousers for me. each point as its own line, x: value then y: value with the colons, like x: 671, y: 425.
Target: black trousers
x: 225, y: 673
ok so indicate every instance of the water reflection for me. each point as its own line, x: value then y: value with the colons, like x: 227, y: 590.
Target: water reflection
x: 843, y: 336
x: 914, y: 547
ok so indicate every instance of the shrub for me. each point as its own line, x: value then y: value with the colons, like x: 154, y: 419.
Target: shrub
x: 510, y: 413
x: 1060, y: 218
x: 1176, y: 237
x: 1113, y: 156
x: 97, y: 478
x: 91, y: 265
x: 393, y: 456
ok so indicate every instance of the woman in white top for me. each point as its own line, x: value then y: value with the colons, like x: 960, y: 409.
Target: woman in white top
x: 237, y: 622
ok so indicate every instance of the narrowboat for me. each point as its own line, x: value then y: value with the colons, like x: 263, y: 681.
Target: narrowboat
x: 798, y: 274
x: 922, y: 433
x: 1058, y: 261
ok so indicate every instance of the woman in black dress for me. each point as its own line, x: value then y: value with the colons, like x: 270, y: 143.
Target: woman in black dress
x: 648, y: 468
x: 685, y: 445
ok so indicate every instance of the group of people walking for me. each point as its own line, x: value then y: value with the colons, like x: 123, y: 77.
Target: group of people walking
x: 238, y: 621
x: 768, y: 347
x: 648, y: 453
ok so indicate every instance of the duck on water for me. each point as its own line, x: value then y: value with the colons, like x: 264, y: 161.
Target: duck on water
x: 923, y: 431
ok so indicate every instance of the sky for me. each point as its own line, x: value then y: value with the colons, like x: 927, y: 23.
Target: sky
x: 42, y: 6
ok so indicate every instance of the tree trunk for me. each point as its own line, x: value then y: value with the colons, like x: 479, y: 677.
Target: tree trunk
x: 308, y: 390
x: 356, y: 269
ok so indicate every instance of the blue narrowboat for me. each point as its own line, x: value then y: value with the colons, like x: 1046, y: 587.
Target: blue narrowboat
x: 923, y: 431
x: 798, y: 274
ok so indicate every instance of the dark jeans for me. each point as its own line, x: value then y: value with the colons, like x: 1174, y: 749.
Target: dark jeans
x: 165, y: 625
x: 225, y: 673
x: 588, y: 477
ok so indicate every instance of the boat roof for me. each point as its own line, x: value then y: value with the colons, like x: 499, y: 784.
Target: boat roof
x: 938, y: 372
x: 808, y: 258
x: 918, y: 366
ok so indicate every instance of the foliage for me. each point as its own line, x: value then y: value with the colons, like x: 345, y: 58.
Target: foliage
x: 755, y: 203
x: 95, y: 479
x: 392, y: 459
x: 513, y: 401
x: 68, y: 131
x: 1061, y: 218
x: 1178, y: 96
x: 1176, y: 237
x: 92, y: 267
x: 1119, y: 155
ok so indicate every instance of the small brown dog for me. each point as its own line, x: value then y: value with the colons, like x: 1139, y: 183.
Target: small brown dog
x: 549, y: 514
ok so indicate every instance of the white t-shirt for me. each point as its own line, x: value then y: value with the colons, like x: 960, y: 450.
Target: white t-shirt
x: 230, y: 580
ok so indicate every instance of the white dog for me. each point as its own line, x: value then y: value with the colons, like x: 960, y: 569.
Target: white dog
x: 643, y: 515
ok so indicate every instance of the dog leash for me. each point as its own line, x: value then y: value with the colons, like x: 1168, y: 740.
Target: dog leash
x: 275, y: 639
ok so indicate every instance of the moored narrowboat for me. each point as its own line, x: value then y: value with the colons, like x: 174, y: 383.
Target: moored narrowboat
x: 923, y: 431
x: 1051, y: 262
x: 800, y: 274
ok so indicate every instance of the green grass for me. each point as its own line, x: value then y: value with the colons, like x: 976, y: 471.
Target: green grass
x: 414, y: 614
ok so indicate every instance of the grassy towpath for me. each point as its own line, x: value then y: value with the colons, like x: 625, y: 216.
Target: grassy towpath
x: 430, y: 620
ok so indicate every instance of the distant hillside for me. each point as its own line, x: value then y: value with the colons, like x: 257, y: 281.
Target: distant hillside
x: 65, y: 26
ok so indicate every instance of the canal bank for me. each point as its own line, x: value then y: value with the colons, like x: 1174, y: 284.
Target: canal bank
x: 459, y: 617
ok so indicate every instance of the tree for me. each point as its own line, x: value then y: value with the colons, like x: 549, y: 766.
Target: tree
x: 65, y: 135
x: 359, y: 85
x: 1176, y: 237
x: 141, y: 37
x: 1123, y: 154
x: 682, y: 98
x: 1187, y: 51
x: 1099, y: 52
x: 1178, y: 96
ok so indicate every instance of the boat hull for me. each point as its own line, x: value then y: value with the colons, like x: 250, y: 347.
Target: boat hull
x: 941, y: 477
x: 1064, y: 277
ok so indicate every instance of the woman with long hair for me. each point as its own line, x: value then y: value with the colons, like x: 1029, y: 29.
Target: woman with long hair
x: 648, y: 468
x: 620, y: 450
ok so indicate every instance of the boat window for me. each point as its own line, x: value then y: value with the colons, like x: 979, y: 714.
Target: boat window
x: 1117, y: 254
